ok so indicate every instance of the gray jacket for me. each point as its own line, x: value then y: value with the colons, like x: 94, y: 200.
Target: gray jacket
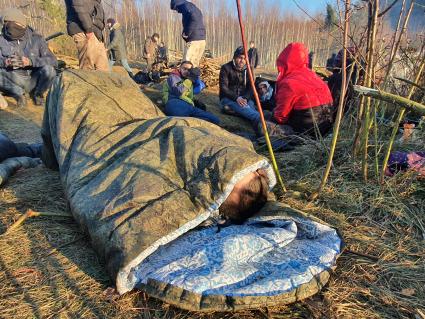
x: 32, y: 46
x: 117, y: 45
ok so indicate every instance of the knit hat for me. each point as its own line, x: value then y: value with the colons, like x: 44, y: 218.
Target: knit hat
x: 239, y: 51
x: 111, y: 21
x: 15, y: 15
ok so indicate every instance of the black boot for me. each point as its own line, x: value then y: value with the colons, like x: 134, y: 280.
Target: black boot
x: 38, y: 99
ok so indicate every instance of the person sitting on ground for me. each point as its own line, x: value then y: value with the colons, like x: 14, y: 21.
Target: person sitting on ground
x: 266, y: 93
x: 235, y: 90
x: 26, y: 63
x: 335, y: 80
x: 163, y: 54
x: 303, y: 100
x: 9, y: 149
x: 146, y: 78
x: 179, y: 91
x: 116, y: 46
x: 150, y: 50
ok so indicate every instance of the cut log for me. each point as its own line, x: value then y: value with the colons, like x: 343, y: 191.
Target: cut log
x: 390, y: 98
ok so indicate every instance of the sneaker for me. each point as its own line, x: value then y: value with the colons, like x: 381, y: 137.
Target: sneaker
x: 21, y: 101
x: 228, y: 110
x: 38, y: 100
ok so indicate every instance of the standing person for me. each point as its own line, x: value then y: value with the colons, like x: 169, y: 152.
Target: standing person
x: 253, y: 55
x: 26, y: 63
x: 163, y: 54
x: 194, y: 32
x: 235, y: 90
x: 85, y: 23
x: 116, y: 46
x: 179, y: 90
x: 150, y: 50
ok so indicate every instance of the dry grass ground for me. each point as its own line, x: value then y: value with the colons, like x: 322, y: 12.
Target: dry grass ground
x: 49, y: 270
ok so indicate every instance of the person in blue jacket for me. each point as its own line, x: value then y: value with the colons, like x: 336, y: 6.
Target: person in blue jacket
x: 178, y: 94
x: 194, y: 32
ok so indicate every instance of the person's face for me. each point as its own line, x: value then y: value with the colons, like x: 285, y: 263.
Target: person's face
x: 240, y: 62
x: 184, y: 70
x: 252, y: 45
x: 156, y: 39
x: 262, y: 89
x: 109, y: 25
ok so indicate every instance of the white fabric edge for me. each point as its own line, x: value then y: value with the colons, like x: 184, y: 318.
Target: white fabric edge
x: 126, y: 280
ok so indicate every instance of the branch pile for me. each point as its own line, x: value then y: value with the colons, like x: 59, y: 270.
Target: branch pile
x: 210, y: 70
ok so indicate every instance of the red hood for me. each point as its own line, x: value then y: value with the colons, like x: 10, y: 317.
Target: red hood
x: 293, y: 57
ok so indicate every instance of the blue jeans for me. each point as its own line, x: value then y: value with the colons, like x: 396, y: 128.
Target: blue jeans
x: 18, y: 82
x: 177, y: 107
x: 249, y: 112
x: 124, y: 63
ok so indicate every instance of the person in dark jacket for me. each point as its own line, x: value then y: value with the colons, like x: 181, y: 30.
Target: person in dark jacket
x: 26, y: 63
x: 235, y: 90
x: 85, y: 23
x: 116, y: 47
x: 9, y: 149
x: 253, y: 55
x: 303, y: 100
x: 353, y: 74
x: 162, y: 54
x: 150, y: 50
x: 194, y: 32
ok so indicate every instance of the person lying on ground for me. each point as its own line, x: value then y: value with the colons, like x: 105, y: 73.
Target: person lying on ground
x: 85, y: 20
x: 235, y: 90
x: 146, y: 78
x: 266, y: 93
x: 150, y: 50
x: 179, y: 91
x: 247, y: 198
x: 27, y: 66
x: 194, y: 32
x: 136, y: 178
x: 9, y: 149
x: 303, y: 100
x: 116, y: 46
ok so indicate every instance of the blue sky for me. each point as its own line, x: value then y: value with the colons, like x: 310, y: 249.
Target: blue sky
x: 312, y: 6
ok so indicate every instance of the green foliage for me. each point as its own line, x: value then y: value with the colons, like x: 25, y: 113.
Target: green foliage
x: 331, y: 19
x: 54, y: 10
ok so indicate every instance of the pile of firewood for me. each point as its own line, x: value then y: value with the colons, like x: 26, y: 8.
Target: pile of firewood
x: 210, y: 70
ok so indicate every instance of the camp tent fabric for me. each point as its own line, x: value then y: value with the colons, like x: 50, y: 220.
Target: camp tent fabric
x: 140, y: 183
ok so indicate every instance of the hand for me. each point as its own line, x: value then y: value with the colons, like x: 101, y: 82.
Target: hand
x: 8, y: 62
x: 242, y: 102
x: 26, y: 62
x: 16, y: 62
x: 89, y: 35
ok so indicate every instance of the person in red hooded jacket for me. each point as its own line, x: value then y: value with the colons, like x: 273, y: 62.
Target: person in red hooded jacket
x: 303, y: 100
